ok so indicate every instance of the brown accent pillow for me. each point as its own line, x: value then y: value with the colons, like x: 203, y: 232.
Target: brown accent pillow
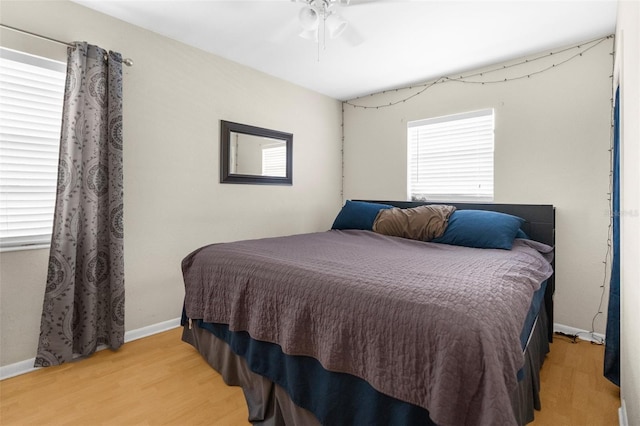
x: 422, y: 223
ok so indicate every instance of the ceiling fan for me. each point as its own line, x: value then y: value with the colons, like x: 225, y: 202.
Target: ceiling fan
x: 321, y: 16
x: 318, y: 20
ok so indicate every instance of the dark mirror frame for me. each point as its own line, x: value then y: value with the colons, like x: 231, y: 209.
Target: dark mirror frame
x: 226, y: 127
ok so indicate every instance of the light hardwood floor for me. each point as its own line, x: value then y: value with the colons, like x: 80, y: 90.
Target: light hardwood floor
x: 573, y: 389
x: 161, y: 381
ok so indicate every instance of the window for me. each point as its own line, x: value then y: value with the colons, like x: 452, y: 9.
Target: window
x: 274, y: 160
x: 451, y: 158
x: 31, y: 93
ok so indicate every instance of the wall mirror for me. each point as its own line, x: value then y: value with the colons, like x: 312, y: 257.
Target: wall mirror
x: 254, y: 155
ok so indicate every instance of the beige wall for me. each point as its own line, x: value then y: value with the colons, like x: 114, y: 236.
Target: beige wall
x: 174, y: 98
x: 552, y: 138
x: 628, y: 73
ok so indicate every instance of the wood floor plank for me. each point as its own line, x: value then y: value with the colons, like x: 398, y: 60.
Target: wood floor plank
x: 160, y: 380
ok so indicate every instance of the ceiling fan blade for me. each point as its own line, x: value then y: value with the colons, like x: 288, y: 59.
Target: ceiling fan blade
x: 359, y: 2
x: 286, y: 31
x: 352, y: 36
x: 365, y: 2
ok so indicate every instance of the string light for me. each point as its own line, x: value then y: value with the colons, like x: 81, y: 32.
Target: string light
x: 608, y: 257
x: 471, y: 78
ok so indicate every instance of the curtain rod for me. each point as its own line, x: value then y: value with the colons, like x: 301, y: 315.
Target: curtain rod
x: 128, y: 62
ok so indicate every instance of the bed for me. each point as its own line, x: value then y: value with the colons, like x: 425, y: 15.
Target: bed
x: 355, y: 327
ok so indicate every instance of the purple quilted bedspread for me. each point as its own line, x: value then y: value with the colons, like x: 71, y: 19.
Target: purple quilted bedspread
x: 431, y: 324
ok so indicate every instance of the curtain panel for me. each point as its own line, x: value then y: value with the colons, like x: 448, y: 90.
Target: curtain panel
x: 612, y: 342
x: 84, y: 296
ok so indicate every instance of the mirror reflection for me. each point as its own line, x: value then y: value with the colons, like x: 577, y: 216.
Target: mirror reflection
x: 254, y: 155
x: 257, y: 155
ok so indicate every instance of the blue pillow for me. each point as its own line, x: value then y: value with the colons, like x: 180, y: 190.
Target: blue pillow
x: 481, y: 229
x: 358, y: 215
x: 522, y: 234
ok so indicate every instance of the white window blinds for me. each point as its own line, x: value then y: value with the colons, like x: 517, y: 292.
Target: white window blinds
x: 31, y: 95
x: 274, y: 160
x: 451, y: 157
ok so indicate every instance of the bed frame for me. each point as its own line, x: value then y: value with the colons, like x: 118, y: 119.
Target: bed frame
x: 540, y: 225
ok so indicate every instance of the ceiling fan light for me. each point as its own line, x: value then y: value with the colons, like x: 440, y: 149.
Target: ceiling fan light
x: 309, y: 18
x: 310, y: 34
x: 335, y: 25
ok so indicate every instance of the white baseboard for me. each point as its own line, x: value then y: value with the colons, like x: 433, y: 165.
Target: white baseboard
x: 622, y: 414
x: 582, y: 334
x: 18, y: 368
x: 26, y: 366
x: 150, y: 330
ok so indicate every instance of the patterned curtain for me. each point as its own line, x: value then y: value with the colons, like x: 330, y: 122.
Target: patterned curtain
x: 84, y: 297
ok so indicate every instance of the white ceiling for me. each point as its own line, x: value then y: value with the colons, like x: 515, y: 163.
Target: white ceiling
x: 388, y: 43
